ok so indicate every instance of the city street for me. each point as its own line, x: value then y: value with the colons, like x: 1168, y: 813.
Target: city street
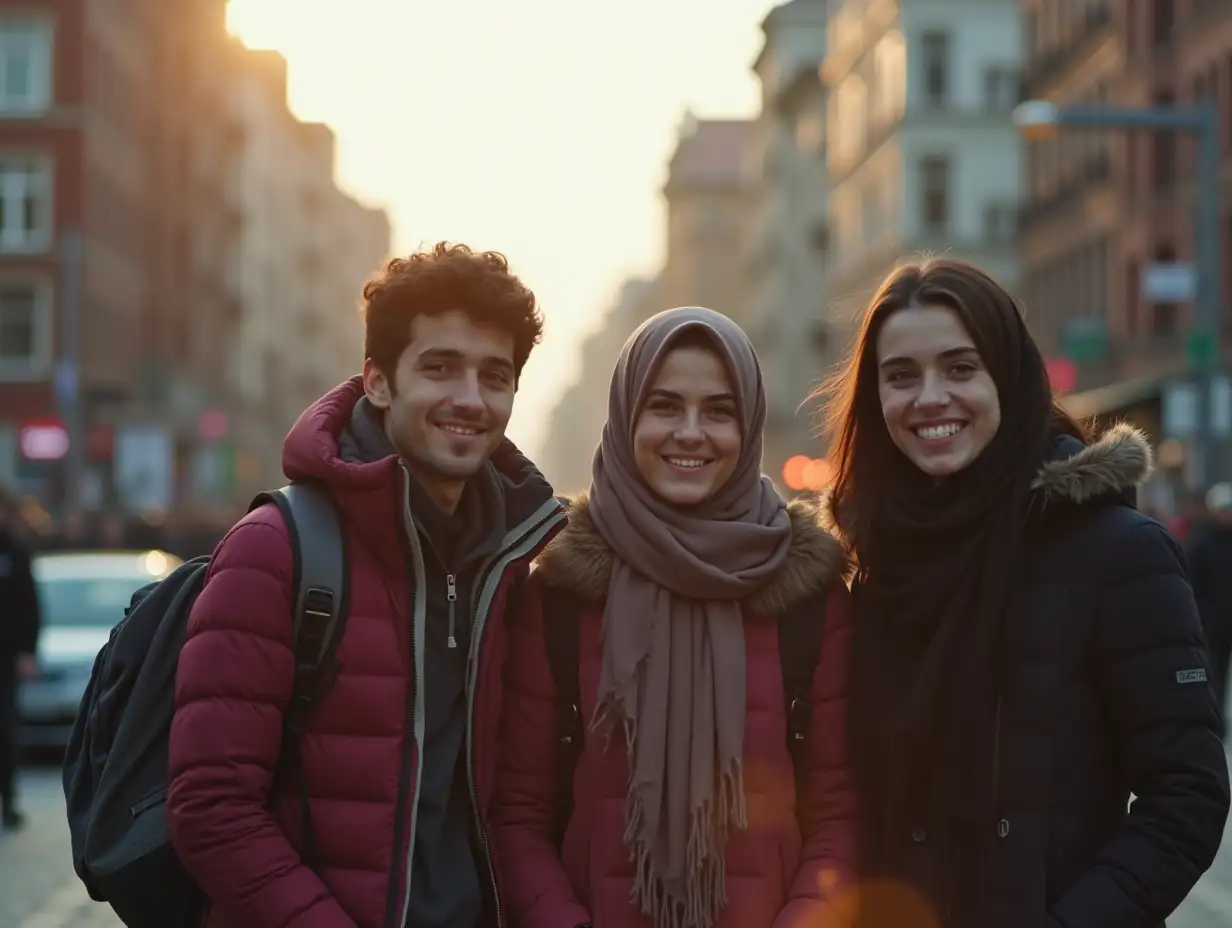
x: 38, y: 888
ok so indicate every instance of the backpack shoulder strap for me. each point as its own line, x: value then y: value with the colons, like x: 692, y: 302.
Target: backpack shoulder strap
x: 562, y: 615
x: 319, y: 587
x: 800, y: 631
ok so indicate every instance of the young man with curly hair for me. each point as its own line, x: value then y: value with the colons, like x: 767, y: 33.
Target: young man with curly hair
x: 442, y: 517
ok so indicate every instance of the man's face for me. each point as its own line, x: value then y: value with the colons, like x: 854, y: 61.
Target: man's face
x: 450, y: 400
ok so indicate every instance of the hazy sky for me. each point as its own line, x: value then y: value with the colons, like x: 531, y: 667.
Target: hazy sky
x: 540, y: 128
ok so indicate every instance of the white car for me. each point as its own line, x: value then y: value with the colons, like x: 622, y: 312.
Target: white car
x: 82, y: 596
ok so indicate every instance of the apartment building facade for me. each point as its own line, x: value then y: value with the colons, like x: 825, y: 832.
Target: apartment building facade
x: 1103, y: 207
x: 707, y: 206
x: 104, y: 169
x: 303, y: 252
x: 785, y: 303
x: 576, y: 422
x: 923, y: 155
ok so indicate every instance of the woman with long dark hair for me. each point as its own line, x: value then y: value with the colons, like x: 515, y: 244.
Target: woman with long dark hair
x: 1026, y: 648
x: 711, y: 788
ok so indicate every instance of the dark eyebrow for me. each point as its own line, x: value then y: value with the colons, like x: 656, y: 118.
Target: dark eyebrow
x: 452, y: 354
x: 713, y: 398
x: 948, y: 355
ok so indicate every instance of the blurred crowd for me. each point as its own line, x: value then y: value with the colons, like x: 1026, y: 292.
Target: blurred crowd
x: 185, y: 535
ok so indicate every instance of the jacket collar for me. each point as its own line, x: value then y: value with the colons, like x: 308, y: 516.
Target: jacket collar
x: 371, y: 492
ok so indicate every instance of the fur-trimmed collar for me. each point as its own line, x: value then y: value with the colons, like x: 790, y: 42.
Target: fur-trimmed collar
x: 1115, y: 464
x: 579, y: 560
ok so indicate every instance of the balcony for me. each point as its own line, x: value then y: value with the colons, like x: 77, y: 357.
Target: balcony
x: 1043, y: 71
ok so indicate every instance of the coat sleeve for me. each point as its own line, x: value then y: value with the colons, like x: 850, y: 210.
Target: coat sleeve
x: 533, y: 881
x: 1152, y: 669
x: 823, y: 890
x: 234, y: 680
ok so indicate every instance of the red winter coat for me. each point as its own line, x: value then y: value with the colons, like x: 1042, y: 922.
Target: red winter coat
x: 775, y: 876
x: 360, y: 754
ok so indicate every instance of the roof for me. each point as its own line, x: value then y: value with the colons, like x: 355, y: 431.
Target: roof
x: 712, y: 154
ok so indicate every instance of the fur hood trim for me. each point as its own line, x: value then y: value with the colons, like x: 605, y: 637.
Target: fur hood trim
x: 579, y: 560
x: 1116, y: 463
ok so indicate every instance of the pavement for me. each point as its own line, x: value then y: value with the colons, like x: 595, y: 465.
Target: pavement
x: 38, y: 888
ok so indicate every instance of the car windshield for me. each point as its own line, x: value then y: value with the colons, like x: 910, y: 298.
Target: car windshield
x: 94, y: 602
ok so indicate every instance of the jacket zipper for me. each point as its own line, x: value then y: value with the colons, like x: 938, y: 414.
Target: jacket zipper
x: 451, y: 594
x: 488, y: 581
x: 1003, y: 825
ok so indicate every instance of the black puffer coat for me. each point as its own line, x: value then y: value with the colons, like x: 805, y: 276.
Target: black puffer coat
x: 1105, y: 693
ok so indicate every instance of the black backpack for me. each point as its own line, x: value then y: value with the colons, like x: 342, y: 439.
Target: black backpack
x: 115, y: 769
x: 800, y: 633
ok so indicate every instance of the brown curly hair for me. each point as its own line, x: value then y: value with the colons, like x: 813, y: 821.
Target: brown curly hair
x: 447, y: 277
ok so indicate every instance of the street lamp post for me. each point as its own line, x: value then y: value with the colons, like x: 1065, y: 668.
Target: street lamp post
x: 1039, y: 119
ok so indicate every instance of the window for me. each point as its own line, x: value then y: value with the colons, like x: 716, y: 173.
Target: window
x: 23, y: 329
x: 1000, y: 89
x: 935, y: 191
x: 1165, y: 320
x: 1163, y: 152
x: 1000, y: 222
x: 25, y: 204
x: 935, y: 58
x: 1163, y: 20
x: 25, y: 66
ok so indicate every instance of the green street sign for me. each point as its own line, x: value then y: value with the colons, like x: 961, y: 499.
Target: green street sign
x: 1084, y: 338
x: 1199, y: 348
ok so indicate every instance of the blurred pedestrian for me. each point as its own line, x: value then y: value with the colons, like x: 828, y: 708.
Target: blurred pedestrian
x: 1210, y: 562
x: 685, y: 567
x: 442, y: 516
x: 19, y: 632
x: 1027, y: 651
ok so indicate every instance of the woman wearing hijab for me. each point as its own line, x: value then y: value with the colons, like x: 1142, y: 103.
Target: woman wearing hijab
x: 1026, y: 648
x: 685, y: 809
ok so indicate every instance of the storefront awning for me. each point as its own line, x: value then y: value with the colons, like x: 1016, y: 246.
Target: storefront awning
x: 1102, y: 400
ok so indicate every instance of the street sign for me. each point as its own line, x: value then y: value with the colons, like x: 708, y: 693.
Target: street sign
x: 1084, y: 338
x: 43, y: 440
x: 1199, y: 348
x: 1169, y: 282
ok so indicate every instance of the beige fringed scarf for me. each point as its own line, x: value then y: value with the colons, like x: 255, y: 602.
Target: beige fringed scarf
x: 673, y: 675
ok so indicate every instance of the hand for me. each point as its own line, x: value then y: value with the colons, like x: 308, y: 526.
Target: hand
x: 27, y: 667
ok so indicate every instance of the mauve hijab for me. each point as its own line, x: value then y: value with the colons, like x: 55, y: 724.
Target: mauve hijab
x: 673, y: 672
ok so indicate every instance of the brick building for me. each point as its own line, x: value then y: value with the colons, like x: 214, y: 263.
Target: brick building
x: 144, y: 213
x: 1102, y: 205
x: 113, y: 176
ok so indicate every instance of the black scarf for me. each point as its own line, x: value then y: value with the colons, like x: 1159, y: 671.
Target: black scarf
x: 932, y: 592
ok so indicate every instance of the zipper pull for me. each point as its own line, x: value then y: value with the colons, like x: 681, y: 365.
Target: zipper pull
x: 451, y: 594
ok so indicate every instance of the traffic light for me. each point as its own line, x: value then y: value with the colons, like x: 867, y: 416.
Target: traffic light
x: 804, y: 473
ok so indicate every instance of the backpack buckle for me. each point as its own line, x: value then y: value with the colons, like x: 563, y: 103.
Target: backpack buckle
x: 318, y: 602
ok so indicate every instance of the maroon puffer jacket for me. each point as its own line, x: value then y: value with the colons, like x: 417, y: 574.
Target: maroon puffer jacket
x: 775, y: 875
x: 361, y: 752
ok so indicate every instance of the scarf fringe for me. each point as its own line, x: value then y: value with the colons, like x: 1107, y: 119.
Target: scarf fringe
x: 696, y: 900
